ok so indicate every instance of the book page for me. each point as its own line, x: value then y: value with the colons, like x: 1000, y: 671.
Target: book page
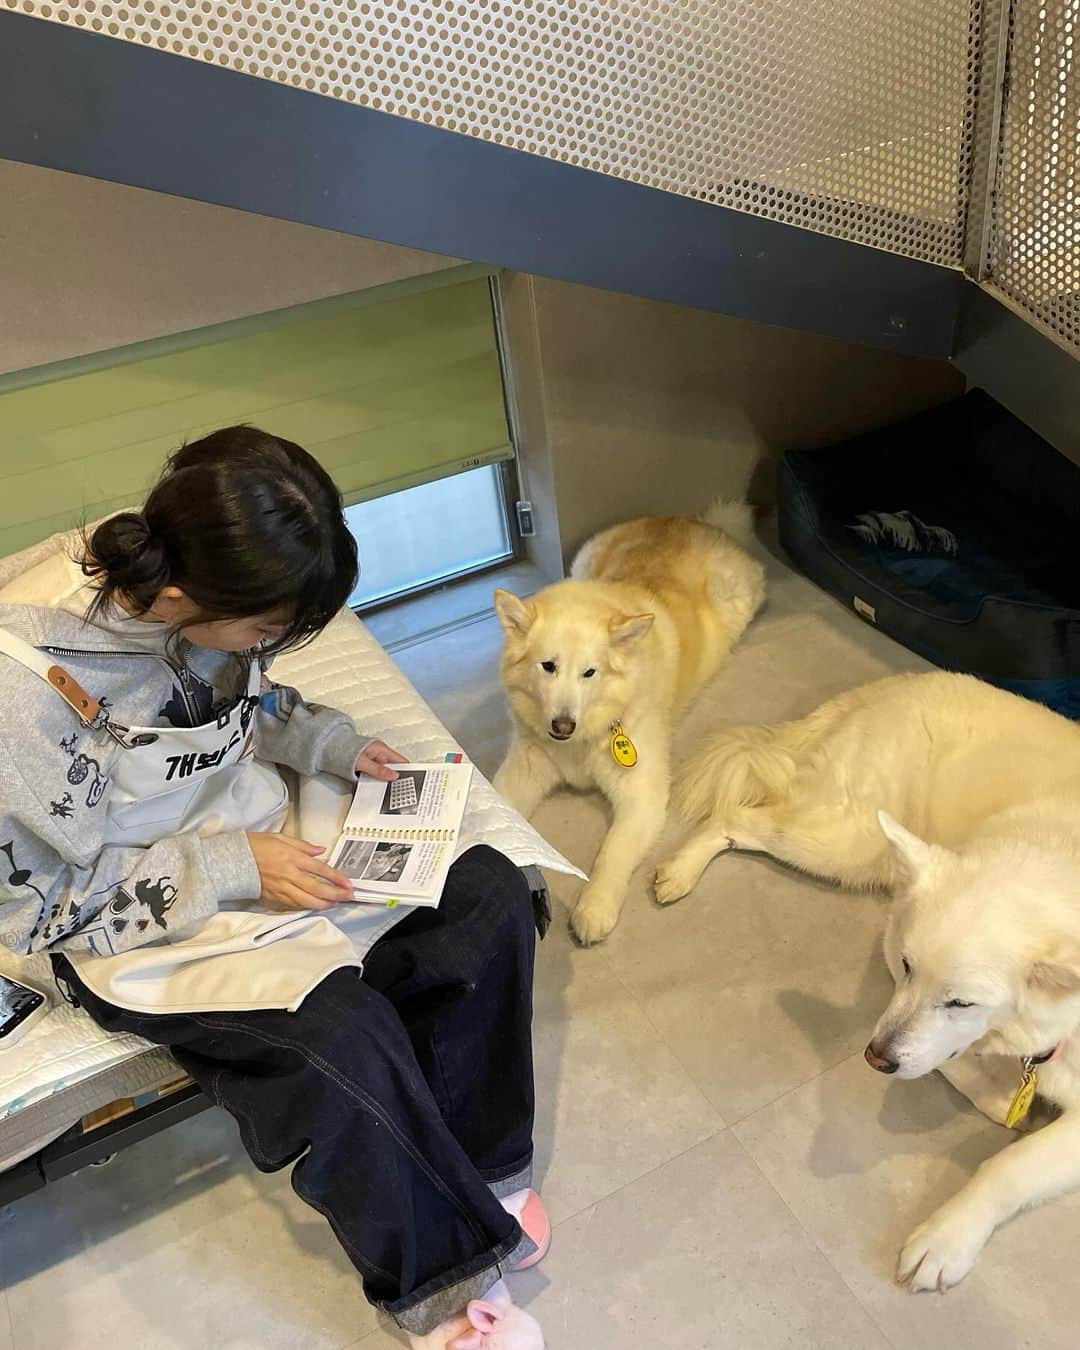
x: 399, y: 838
x: 381, y: 867
x: 423, y: 796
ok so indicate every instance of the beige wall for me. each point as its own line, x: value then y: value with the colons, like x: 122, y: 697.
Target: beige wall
x: 625, y: 405
x: 654, y: 408
x: 87, y: 265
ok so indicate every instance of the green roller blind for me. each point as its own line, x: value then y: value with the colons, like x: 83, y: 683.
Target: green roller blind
x: 386, y: 391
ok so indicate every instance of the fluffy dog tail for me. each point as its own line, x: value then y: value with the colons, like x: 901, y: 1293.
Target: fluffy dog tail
x: 746, y: 766
x: 734, y: 518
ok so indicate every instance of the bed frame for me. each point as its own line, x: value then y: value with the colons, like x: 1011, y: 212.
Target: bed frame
x: 76, y: 1148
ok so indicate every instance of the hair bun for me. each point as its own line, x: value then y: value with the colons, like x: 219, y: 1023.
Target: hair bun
x: 131, y: 558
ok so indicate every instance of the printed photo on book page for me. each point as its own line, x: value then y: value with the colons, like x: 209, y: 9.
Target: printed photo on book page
x: 399, y: 838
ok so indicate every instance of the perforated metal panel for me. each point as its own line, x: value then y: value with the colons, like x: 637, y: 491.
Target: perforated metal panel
x: 849, y: 117
x: 1034, y: 246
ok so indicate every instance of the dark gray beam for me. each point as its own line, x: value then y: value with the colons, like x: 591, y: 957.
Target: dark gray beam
x: 115, y: 110
x: 1034, y: 378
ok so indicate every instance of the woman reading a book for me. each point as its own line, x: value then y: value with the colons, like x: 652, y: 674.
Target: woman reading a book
x: 145, y: 754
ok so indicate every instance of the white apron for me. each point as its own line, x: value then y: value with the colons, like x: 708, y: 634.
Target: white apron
x: 206, y: 779
x: 203, y: 779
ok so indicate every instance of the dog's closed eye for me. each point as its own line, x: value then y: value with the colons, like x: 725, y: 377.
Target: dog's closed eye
x: 958, y: 1003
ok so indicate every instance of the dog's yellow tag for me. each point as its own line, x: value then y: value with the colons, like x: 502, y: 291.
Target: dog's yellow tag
x: 623, y: 749
x: 1023, y: 1097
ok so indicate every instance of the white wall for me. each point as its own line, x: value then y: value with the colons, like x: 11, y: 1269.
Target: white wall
x: 86, y: 265
x: 634, y: 407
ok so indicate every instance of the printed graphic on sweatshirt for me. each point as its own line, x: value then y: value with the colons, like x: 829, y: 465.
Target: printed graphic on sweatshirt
x: 153, y: 900
x: 84, y: 769
x: 200, y: 695
x: 14, y: 883
x: 101, y: 721
x: 125, y: 919
x: 279, y: 700
x: 56, y: 929
x: 18, y: 878
x: 64, y: 806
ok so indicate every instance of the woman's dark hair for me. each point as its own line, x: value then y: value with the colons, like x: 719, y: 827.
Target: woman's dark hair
x: 244, y: 523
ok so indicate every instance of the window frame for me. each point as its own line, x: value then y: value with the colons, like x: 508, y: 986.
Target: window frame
x: 509, y: 471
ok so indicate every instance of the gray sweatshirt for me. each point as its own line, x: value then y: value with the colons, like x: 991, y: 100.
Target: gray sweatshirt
x: 57, y: 874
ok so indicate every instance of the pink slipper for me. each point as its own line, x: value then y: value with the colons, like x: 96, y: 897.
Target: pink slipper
x: 496, y: 1324
x: 528, y: 1209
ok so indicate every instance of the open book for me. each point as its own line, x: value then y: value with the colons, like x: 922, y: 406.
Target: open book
x: 399, y: 838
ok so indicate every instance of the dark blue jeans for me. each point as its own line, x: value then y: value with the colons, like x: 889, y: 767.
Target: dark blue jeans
x: 404, y: 1099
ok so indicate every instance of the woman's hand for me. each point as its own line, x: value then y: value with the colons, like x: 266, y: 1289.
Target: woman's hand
x: 293, y: 876
x: 375, y: 761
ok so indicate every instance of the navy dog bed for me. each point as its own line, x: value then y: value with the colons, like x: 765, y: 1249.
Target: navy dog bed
x: 955, y: 532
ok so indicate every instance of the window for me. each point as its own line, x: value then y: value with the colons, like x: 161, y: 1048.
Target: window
x: 424, y: 535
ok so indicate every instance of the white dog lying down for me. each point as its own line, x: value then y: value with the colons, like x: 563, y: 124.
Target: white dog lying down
x: 598, y: 666
x: 984, y: 936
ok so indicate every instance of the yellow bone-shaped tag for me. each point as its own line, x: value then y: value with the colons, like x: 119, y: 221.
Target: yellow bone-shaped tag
x: 1023, y: 1097
x: 623, y: 749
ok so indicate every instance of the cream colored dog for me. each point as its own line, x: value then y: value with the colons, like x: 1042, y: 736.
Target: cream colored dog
x: 597, y: 667
x: 984, y: 936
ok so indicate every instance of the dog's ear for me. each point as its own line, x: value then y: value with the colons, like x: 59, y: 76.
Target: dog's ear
x: 913, y: 854
x: 1058, y: 971
x: 515, y: 615
x: 630, y: 629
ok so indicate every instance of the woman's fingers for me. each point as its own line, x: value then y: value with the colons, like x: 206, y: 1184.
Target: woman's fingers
x: 298, y: 898
x: 293, y: 874
x: 335, y: 880
x: 376, y: 759
x: 304, y: 846
x: 309, y: 861
x: 371, y: 768
x: 385, y: 755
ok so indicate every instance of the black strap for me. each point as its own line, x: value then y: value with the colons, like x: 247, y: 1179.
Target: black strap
x: 540, y: 898
x: 61, y: 972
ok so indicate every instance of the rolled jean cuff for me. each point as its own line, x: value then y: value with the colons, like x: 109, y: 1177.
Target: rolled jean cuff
x: 448, y: 1295
x: 520, y: 1180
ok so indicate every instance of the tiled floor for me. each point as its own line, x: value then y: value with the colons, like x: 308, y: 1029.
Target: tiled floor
x: 722, y: 1168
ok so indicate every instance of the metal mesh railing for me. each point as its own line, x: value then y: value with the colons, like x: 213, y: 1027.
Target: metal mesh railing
x: 1033, y: 245
x: 849, y: 117
x: 908, y: 125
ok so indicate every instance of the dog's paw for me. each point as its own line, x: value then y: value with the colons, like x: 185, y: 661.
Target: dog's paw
x: 671, y: 882
x: 941, y: 1251
x: 594, y: 916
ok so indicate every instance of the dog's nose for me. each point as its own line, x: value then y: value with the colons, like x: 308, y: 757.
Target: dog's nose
x: 879, y: 1062
x: 563, y: 727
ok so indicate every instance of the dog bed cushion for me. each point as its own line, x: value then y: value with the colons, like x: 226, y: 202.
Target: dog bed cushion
x: 955, y: 533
